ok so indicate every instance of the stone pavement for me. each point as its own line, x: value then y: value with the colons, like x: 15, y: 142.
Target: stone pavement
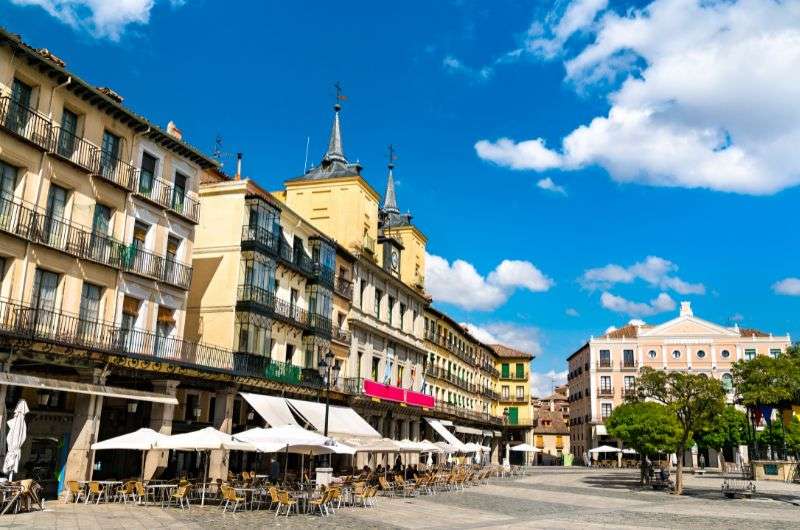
x: 548, y: 498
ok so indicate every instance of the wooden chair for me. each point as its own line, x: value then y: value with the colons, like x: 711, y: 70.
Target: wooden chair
x: 74, y: 492
x: 285, y: 501
x: 94, y: 491
x: 229, y: 495
x: 181, y: 496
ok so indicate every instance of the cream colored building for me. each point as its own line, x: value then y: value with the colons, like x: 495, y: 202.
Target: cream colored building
x: 514, y: 398
x: 604, y: 369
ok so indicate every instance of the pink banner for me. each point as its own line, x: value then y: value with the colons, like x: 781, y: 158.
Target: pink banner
x: 419, y: 399
x: 388, y: 392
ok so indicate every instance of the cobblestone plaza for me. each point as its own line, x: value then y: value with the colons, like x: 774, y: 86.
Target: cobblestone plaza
x: 548, y: 498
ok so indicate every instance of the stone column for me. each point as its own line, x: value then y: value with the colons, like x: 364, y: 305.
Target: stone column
x: 85, y: 424
x: 223, y: 421
x: 161, y: 416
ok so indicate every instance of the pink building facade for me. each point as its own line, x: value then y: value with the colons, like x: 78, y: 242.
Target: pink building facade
x: 605, y: 369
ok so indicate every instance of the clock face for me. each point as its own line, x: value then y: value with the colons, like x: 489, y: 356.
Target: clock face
x: 395, y: 259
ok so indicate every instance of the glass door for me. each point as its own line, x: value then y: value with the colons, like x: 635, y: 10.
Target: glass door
x: 179, y: 193
x: 54, y: 230
x: 43, y: 300
x: 109, y: 154
x: 90, y: 312
x: 19, y: 106
x: 101, y: 223
x: 67, y: 133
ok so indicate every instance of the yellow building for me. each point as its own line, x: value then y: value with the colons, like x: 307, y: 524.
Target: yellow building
x: 513, y: 389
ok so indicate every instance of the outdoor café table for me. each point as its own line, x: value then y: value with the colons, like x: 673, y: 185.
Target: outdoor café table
x: 107, y: 484
x: 248, y: 494
x: 163, y: 490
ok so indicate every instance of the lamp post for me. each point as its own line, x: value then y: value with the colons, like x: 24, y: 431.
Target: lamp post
x: 329, y: 371
x: 507, y: 461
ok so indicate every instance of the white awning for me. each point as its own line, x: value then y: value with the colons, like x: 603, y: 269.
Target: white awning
x: 444, y: 433
x: 43, y: 383
x: 497, y: 434
x: 273, y: 409
x: 488, y: 434
x: 468, y: 430
x: 446, y: 423
x: 343, y: 422
x: 600, y: 430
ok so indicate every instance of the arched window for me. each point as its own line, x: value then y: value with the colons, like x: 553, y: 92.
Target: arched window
x: 727, y: 382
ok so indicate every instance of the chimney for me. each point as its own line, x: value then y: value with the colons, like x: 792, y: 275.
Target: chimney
x: 238, y: 166
x: 686, y: 309
x: 173, y: 130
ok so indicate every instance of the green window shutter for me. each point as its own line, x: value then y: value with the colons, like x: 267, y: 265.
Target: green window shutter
x: 513, y: 415
x: 520, y: 371
x: 504, y: 371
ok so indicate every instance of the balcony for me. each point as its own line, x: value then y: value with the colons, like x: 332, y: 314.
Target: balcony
x: 113, y: 169
x: 373, y: 389
x: 605, y: 392
x: 83, y: 243
x: 343, y: 287
x: 290, y: 313
x: 164, y: 194
x: 71, y: 331
x: 513, y: 377
x: 262, y: 240
x: 630, y: 365
x: 25, y: 123
x: 605, y: 364
x: 629, y: 391
x: 74, y: 149
x: 319, y: 325
x: 490, y: 394
x: 442, y: 374
x: 341, y: 335
x: 259, y: 366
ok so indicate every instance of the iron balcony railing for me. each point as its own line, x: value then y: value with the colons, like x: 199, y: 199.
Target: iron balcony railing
x: 630, y: 364
x: 296, y: 259
x: 322, y: 274
x: 290, y: 313
x: 112, y: 168
x: 72, y: 148
x: 439, y: 373
x: 605, y: 391
x: 491, y: 394
x: 343, y: 287
x: 605, y: 364
x: 341, y: 335
x: 352, y: 385
x: 319, y: 325
x: 25, y: 122
x: 259, y: 366
x: 165, y: 194
x: 256, y: 295
x: 261, y: 236
x: 64, y: 329
x: 368, y: 244
x: 512, y: 377
x: 85, y: 243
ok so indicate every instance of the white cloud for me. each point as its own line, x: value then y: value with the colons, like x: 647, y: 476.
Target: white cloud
x: 102, y: 18
x: 460, y: 283
x: 702, y: 102
x: 454, y: 65
x: 654, y: 270
x: 663, y: 302
x: 572, y: 312
x: 523, y: 338
x: 788, y: 287
x: 548, y: 184
x: 530, y: 154
x: 542, y: 384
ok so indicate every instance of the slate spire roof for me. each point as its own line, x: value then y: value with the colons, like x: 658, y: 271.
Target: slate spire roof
x: 334, y: 163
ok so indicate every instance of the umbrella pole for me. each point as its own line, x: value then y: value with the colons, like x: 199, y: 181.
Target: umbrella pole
x: 205, y: 478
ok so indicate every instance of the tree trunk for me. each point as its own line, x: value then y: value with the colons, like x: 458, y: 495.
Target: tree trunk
x: 679, y: 469
x: 642, y: 469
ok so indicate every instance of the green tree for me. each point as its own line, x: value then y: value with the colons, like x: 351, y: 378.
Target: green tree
x: 646, y: 426
x: 694, y: 399
x: 728, y: 429
x: 793, y: 437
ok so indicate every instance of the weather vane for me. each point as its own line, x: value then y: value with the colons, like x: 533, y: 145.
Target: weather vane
x: 392, y: 155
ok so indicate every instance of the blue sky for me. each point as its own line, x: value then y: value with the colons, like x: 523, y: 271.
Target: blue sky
x: 628, y: 134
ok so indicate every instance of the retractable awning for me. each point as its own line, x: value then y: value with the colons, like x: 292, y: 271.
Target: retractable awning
x: 488, y: 434
x: 273, y: 409
x: 468, y: 430
x: 600, y: 430
x: 444, y: 433
x: 343, y: 422
x: 44, y: 383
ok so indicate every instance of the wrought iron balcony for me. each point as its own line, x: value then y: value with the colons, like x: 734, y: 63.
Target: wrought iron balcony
x: 260, y: 237
x: 164, y: 269
x: 343, y: 287
x: 71, y: 331
x: 630, y: 364
x: 253, y: 294
x: 25, y: 122
x: 319, y: 325
x: 605, y: 364
x: 259, y: 366
x: 165, y: 194
x: 605, y: 392
x: 341, y: 335
x: 290, y: 313
x: 74, y: 149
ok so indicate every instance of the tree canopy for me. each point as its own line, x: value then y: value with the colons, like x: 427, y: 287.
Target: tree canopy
x: 728, y: 429
x: 766, y: 380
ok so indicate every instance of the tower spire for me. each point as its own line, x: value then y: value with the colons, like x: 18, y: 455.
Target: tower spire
x: 335, y: 152
x: 390, y: 199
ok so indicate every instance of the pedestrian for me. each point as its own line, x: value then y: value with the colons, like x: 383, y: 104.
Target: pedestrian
x: 702, y: 461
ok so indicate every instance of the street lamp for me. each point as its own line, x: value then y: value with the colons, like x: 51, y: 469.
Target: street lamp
x: 505, y: 436
x: 329, y: 369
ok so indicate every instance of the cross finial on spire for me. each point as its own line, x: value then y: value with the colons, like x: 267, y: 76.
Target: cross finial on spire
x: 390, y: 200
x: 392, y: 156
x: 335, y: 151
x: 339, y: 96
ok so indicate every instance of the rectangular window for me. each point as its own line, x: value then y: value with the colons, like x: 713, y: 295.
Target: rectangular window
x: 165, y: 325
x: 19, y: 108
x: 505, y: 392
x: 179, y: 192
x: 605, y: 384
x: 391, y: 310
x: 54, y: 228
x: 520, y: 393
x: 629, y: 382
x: 140, y: 230
x: 173, y: 247
x: 362, y: 289
x: 403, y: 309
x: 520, y: 370
x: 101, y: 220
x: 605, y: 410
x: 147, y: 174
x: 774, y: 352
x: 627, y: 358
x: 749, y: 354
x: 400, y: 370
x: 513, y: 415
x: 68, y: 133
x: 376, y: 361
x: 8, y: 181
x: 289, y: 353
x: 378, y: 296
x: 109, y: 154
x: 605, y: 358
x: 90, y: 302
x: 45, y: 285
x: 192, y: 404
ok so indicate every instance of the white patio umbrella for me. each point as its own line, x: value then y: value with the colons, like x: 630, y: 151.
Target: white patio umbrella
x: 208, y: 439
x: 142, y: 440
x: 426, y: 446
x: 471, y: 447
x: 526, y: 448
x: 17, y: 431
x: 629, y: 451
x: 604, y: 449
